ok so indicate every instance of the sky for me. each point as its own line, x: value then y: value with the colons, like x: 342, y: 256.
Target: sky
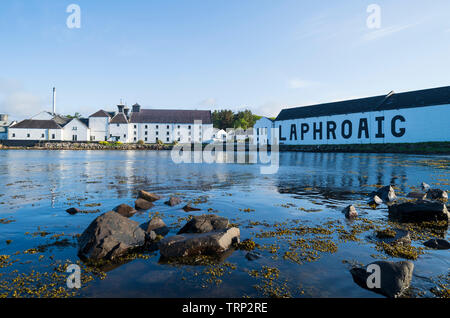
x: 262, y: 55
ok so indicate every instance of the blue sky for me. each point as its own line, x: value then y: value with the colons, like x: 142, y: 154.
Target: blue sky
x: 212, y: 54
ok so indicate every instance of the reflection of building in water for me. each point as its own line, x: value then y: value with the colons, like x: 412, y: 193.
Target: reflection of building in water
x: 337, y: 174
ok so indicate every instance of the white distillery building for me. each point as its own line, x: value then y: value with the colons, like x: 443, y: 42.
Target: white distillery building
x: 411, y: 117
x: 262, y: 131
x: 146, y: 125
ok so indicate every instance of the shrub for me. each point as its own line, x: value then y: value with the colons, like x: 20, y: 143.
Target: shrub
x: 140, y: 142
x: 160, y: 142
x: 104, y: 143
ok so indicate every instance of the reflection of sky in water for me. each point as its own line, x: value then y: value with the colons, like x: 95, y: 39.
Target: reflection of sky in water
x: 37, y: 186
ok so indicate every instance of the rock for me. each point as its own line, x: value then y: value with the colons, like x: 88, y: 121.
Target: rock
x: 394, y: 277
x: 350, y: 212
x: 109, y: 236
x: 173, y: 201
x: 425, y: 187
x: 394, y: 236
x: 438, y: 244
x: 188, y: 244
x: 416, y: 195
x: 204, y: 223
x: 387, y: 194
x: 73, y: 211
x: 125, y: 210
x: 151, y: 197
x: 142, y: 204
x: 156, y: 225
x: 436, y: 194
x: 419, y: 211
x: 375, y: 200
x: 252, y: 256
x: 189, y: 208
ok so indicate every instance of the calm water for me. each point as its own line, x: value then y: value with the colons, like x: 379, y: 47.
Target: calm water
x: 309, y: 190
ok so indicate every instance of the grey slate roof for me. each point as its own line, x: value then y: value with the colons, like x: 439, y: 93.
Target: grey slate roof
x: 171, y: 116
x: 421, y: 98
x: 101, y: 113
x: 37, y: 124
x: 120, y: 118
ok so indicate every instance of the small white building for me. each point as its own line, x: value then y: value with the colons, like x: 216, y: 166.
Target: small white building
x: 263, y: 131
x: 99, y: 125
x: 36, y: 129
x: 77, y: 130
x: 4, y: 125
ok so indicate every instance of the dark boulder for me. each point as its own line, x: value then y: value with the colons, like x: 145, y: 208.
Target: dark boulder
x: 151, y: 197
x: 204, y: 223
x: 416, y: 195
x: 189, y: 208
x: 350, y: 212
x: 125, y: 210
x: 109, y: 236
x: 437, y: 244
x: 394, y: 236
x: 186, y: 245
x: 156, y: 225
x: 395, y: 278
x: 419, y: 211
x: 73, y: 211
x: 387, y: 194
x: 142, y: 204
x: 173, y: 201
x: 436, y: 194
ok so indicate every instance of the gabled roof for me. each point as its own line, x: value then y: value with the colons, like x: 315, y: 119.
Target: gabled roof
x: 101, y: 113
x: 171, y: 116
x: 84, y: 121
x: 61, y: 120
x: 421, y: 98
x: 119, y: 119
x: 37, y: 124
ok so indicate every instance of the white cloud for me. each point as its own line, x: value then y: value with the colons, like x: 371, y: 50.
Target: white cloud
x: 268, y: 109
x: 17, y: 101
x: 299, y: 83
x: 383, y: 32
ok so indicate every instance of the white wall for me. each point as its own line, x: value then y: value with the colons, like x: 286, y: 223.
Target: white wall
x: 99, y: 128
x: 120, y: 132
x: 421, y: 124
x: 78, y: 129
x: 34, y: 134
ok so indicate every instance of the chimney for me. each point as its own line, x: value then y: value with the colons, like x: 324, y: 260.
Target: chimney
x: 120, y: 108
x: 126, y: 111
x: 54, y: 100
x: 136, y: 108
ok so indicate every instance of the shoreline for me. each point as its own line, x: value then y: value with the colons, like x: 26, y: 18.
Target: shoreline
x: 425, y: 148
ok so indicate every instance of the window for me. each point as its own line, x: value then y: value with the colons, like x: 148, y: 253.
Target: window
x: 135, y: 133
x: 189, y: 127
x: 135, y: 126
x: 92, y: 138
x: 145, y: 138
x: 178, y: 126
x: 179, y: 139
x: 157, y: 139
x: 168, y: 133
x: 146, y: 133
x: 168, y: 126
x: 134, y: 138
x: 157, y: 126
x: 14, y: 135
x: 42, y: 136
x: 118, y: 125
x: 146, y: 126
x: 157, y: 133
x: 167, y: 138
x: 74, y: 137
x: 28, y: 135
x: 124, y: 136
x: 74, y: 128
